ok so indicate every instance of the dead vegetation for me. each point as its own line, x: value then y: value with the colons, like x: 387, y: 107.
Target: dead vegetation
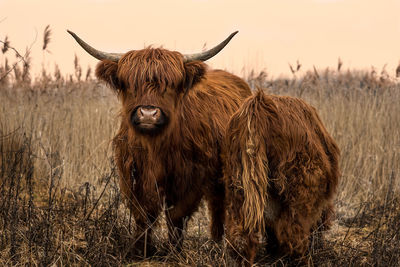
x: 59, y: 195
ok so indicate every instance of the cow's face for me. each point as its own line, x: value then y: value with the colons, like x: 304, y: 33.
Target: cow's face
x: 151, y: 84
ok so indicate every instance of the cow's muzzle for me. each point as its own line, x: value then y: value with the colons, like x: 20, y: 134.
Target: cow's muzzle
x: 148, y: 119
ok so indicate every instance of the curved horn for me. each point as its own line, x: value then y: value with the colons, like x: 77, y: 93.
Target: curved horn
x: 203, y: 56
x: 94, y: 52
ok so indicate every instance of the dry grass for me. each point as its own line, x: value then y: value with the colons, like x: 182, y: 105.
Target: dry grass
x: 60, y: 202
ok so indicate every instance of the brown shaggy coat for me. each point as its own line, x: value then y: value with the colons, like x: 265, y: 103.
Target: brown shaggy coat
x: 281, y: 173
x: 179, y: 165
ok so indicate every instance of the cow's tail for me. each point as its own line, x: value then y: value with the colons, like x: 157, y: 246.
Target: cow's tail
x: 254, y: 171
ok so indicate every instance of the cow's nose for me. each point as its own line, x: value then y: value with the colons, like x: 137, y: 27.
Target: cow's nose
x: 148, y: 119
x: 148, y: 114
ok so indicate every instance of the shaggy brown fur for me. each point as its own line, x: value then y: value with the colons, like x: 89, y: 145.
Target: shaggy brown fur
x: 280, y: 172
x: 182, y: 163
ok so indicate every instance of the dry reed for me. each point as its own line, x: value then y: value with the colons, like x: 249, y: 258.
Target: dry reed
x: 59, y: 195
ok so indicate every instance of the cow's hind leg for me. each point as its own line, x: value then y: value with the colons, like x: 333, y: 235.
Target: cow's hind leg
x: 317, y: 240
x: 242, y: 246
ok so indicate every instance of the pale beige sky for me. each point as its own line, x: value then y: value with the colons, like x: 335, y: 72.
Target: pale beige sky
x: 272, y: 33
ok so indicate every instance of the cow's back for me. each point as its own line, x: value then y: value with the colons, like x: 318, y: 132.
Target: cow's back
x: 228, y: 81
x: 216, y: 97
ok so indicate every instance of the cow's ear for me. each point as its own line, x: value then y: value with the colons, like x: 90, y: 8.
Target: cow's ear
x: 194, y: 72
x: 106, y: 70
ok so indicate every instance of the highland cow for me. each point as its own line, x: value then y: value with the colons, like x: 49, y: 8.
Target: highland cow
x: 280, y: 172
x: 167, y: 150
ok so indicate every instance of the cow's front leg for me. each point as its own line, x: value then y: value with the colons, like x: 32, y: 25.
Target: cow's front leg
x: 143, y: 238
x: 145, y: 208
x: 176, y: 226
x: 216, y: 206
x: 145, y: 221
x: 177, y: 216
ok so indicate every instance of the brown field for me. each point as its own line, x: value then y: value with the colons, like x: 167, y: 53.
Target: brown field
x: 59, y: 195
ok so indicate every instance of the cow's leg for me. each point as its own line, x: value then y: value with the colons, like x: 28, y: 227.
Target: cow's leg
x: 177, y: 216
x: 176, y: 227
x: 145, y: 218
x: 292, y: 231
x: 327, y: 216
x: 143, y: 235
x: 145, y: 209
x: 216, y: 206
x: 242, y: 245
x: 295, y: 223
x: 305, y: 204
x: 317, y: 239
